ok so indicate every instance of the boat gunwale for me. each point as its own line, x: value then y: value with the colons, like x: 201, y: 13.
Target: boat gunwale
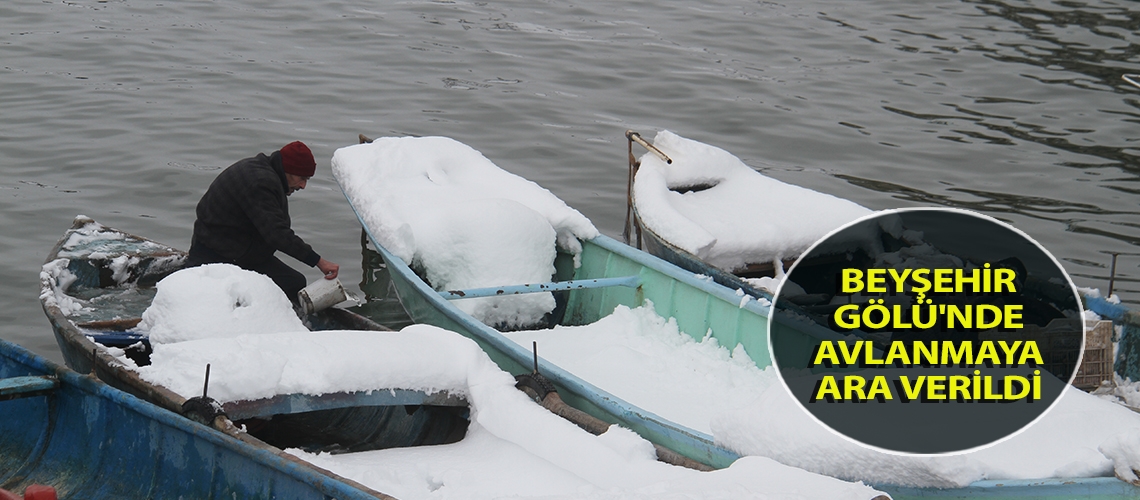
x: 725, y: 278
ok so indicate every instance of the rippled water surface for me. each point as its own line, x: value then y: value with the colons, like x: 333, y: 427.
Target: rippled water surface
x: 124, y: 110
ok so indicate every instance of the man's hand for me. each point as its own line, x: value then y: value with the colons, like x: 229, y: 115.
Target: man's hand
x: 330, y: 269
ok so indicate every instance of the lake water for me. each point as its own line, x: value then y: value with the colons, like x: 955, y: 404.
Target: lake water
x: 125, y: 110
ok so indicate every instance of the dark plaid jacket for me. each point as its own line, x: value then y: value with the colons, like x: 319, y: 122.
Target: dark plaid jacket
x: 244, y: 215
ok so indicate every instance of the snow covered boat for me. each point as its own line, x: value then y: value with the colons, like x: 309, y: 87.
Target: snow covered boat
x: 702, y: 209
x: 413, y: 194
x: 425, y: 202
x: 686, y: 199
x: 681, y: 191
x: 98, y: 281
x: 88, y: 440
x: 592, y: 275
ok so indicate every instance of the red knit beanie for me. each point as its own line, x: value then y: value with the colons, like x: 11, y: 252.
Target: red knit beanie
x: 296, y: 159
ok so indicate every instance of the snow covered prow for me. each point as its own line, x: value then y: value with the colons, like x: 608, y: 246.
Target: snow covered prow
x: 710, y: 204
x: 393, y: 180
x: 444, y: 208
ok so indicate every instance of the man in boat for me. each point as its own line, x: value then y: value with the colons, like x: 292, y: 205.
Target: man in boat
x: 243, y: 218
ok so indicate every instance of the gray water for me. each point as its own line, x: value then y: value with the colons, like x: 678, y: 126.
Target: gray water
x: 125, y: 110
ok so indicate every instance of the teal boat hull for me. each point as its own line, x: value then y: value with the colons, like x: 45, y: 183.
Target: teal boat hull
x: 1127, y: 364
x: 696, y: 303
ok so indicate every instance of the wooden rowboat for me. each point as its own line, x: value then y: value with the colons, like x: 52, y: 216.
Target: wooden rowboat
x: 637, y: 233
x: 88, y: 440
x: 611, y: 274
x: 608, y: 274
x: 677, y: 202
x: 114, y: 273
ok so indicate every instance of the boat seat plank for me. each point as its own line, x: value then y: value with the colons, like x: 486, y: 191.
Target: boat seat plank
x: 26, y: 386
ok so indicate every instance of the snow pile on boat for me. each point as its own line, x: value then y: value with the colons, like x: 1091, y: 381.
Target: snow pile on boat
x: 641, y: 358
x: 647, y: 361
x: 710, y: 204
x: 485, y: 464
x: 444, y: 208
x: 217, y: 300
x: 489, y: 243
x: 261, y: 365
x: 513, y: 446
x: 1082, y: 436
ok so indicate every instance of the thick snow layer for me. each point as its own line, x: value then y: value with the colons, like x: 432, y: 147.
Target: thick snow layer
x: 488, y: 464
x: 644, y: 359
x: 744, y: 217
x: 443, y: 207
x: 217, y: 300
x: 625, y: 352
x: 1068, y: 442
x: 514, y: 447
x: 697, y: 383
x: 262, y: 365
x: 467, y: 252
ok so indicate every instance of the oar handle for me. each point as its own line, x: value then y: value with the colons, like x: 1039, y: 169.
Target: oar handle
x: 636, y: 137
x: 626, y: 281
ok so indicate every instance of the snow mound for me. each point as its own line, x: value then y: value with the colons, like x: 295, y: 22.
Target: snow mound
x: 467, y: 254
x: 217, y: 300
x: 429, y: 200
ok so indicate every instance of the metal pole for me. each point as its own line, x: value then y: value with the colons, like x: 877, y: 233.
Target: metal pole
x: 629, y: 185
x: 534, y: 347
x: 206, y: 384
x: 634, y: 165
x: 1112, y: 275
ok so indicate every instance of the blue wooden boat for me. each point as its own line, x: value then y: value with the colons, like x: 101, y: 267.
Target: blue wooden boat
x: 115, y: 272
x: 91, y: 441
